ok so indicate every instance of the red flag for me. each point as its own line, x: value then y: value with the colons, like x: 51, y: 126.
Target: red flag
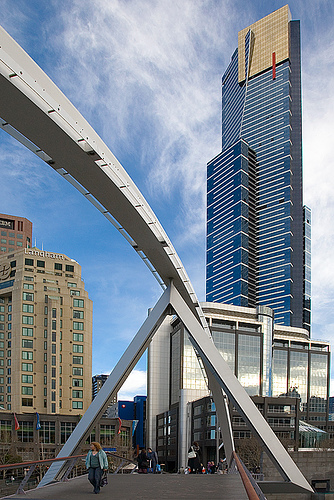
x: 17, y: 425
x: 120, y: 425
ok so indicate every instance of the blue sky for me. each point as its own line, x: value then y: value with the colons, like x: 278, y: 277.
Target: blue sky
x: 147, y: 76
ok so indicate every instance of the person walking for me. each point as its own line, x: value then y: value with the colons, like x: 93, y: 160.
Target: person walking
x: 194, y: 462
x: 152, y: 457
x: 96, y: 463
x: 142, y: 462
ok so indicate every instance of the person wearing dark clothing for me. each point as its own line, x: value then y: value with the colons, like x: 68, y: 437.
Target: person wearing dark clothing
x: 152, y: 457
x: 142, y: 462
x: 194, y: 460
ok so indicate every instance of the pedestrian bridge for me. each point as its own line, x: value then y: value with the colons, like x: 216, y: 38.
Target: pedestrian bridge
x: 142, y: 486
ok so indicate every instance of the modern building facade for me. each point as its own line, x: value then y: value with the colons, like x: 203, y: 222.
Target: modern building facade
x: 97, y: 383
x: 29, y: 443
x: 15, y: 232
x: 257, y: 243
x: 45, y: 334
x: 136, y: 412
x: 271, y: 361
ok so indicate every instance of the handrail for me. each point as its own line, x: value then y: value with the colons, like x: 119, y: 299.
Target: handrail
x: 72, y: 458
x: 37, y: 462
x: 250, y: 490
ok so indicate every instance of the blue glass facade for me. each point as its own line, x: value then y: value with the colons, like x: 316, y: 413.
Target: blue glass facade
x: 256, y: 236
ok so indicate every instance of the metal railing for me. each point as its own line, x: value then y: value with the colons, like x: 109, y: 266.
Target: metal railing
x: 71, y: 462
x: 252, y: 489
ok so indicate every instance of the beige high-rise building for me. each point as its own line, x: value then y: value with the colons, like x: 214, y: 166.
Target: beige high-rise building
x: 45, y: 334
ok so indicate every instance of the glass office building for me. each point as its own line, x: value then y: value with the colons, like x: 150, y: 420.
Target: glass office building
x: 257, y: 230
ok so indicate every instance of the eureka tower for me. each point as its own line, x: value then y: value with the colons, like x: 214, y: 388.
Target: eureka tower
x: 258, y: 232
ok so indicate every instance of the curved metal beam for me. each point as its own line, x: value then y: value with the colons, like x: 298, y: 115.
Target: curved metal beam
x: 38, y: 114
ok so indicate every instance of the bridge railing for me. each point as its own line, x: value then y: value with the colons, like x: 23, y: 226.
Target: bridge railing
x: 71, y: 461
x: 252, y: 488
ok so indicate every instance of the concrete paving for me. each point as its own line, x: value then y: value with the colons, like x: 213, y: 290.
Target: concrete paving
x: 145, y: 487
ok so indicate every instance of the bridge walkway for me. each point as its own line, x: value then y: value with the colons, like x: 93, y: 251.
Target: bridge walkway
x: 145, y: 487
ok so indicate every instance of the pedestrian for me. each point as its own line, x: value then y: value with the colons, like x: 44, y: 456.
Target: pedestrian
x: 152, y: 457
x: 212, y: 468
x: 194, y: 461
x: 222, y: 466
x: 142, y: 462
x: 96, y: 463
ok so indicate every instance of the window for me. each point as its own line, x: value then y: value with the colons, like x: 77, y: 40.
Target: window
x: 75, y: 292
x: 53, y: 360
x: 69, y: 268
x: 77, y: 405
x: 54, y: 324
x: 28, y: 278
x: 28, y: 286
x: 27, y: 379
x: 47, y: 432
x: 25, y: 433
x: 27, y: 355
x: 77, y: 394
x: 78, y: 314
x: 27, y: 332
x: 78, y: 337
x: 27, y: 402
x: 27, y: 344
x: 40, y: 263
x: 71, y: 285
x: 54, y: 312
x: 19, y: 244
x: 53, y: 348
x: 27, y: 320
x: 29, y: 262
x: 28, y: 308
x: 77, y: 348
x: 77, y: 382
x: 78, y: 360
x: 77, y: 371
x: 78, y: 325
x: 27, y: 390
x: 66, y: 429
x: 58, y: 267
x: 28, y: 296
x: 78, y: 302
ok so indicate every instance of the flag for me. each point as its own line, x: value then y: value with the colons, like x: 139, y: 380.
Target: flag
x: 17, y: 425
x: 120, y: 425
x: 38, y: 424
x: 134, y: 426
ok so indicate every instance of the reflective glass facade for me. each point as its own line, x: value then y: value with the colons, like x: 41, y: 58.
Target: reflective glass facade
x: 256, y: 231
x: 301, y: 369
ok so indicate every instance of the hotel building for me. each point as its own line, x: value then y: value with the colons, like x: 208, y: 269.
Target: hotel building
x: 15, y: 232
x: 45, y: 334
x: 258, y: 233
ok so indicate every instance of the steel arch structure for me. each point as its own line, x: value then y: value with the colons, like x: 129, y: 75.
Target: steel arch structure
x: 35, y: 112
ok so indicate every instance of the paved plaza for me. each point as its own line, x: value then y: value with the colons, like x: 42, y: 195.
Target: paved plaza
x: 140, y: 487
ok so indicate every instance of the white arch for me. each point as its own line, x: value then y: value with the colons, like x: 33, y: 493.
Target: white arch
x: 35, y: 112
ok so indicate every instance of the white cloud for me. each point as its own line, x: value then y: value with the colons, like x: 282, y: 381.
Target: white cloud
x: 135, y: 385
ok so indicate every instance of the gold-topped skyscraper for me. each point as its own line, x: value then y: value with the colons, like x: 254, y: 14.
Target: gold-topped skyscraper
x: 258, y: 232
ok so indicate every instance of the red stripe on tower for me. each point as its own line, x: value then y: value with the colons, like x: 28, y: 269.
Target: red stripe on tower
x: 274, y: 65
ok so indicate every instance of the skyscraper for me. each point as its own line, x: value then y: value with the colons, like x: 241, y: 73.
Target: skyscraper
x: 257, y: 235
